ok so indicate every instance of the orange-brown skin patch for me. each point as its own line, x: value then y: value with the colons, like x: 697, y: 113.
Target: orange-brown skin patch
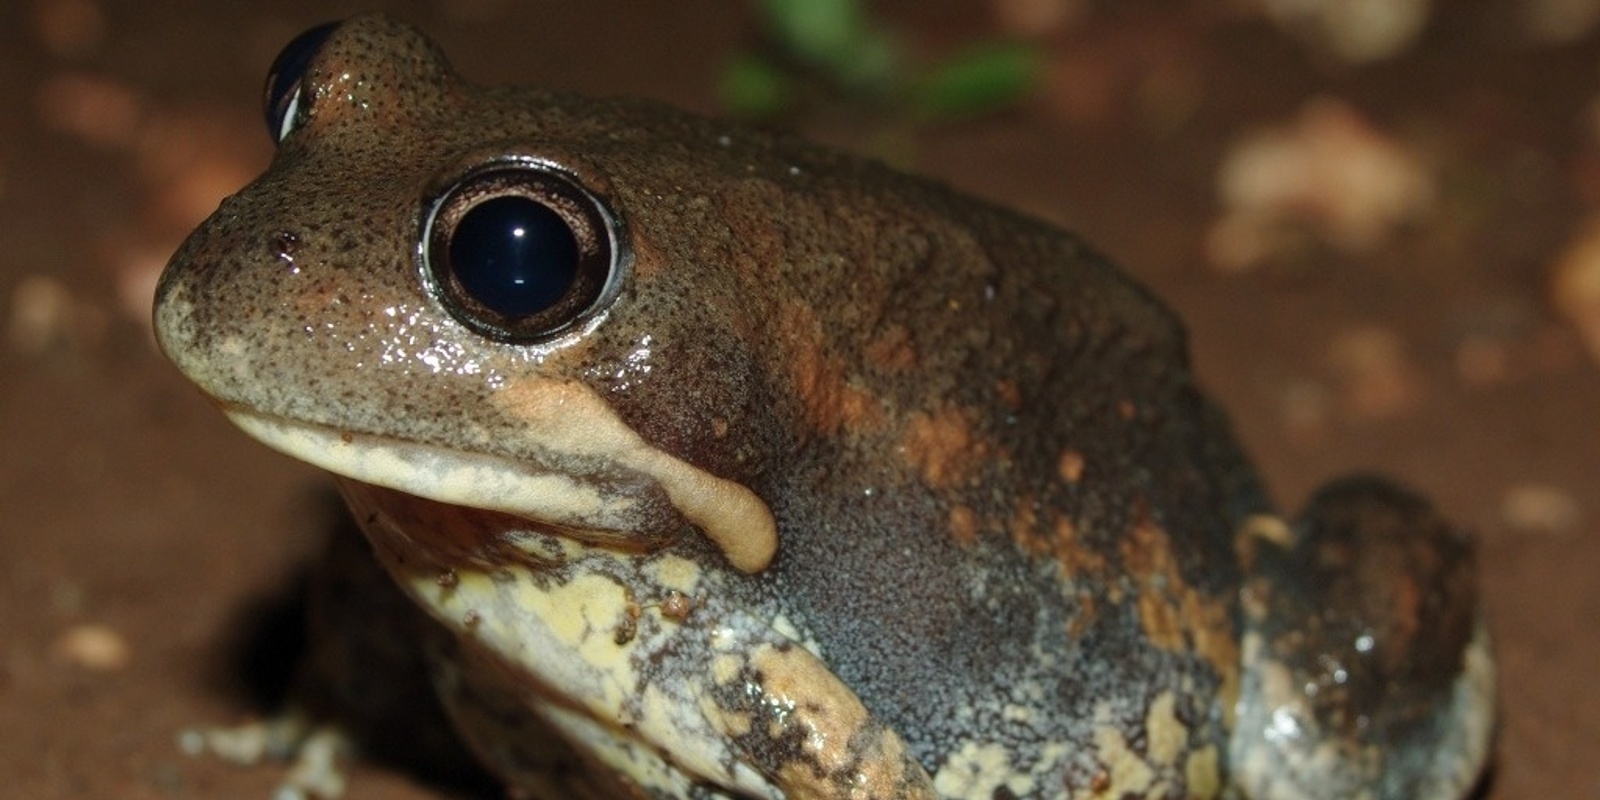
x: 829, y: 402
x: 964, y: 524
x: 942, y: 446
x: 1025, y: 527
x: 1174, y: 614
x: 892, y: 350
x: 1077, y: 560
x: 1070, y: 467
x: 860, y: 410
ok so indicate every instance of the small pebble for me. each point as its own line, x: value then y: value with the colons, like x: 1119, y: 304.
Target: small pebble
x: 44, y: 315
x: 1352, y: 31
x: 1329, y: 172
x: 93, y: 647
x: 1540, y: 508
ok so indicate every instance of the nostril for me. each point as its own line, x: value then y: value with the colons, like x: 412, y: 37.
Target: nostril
x: 283, y: 245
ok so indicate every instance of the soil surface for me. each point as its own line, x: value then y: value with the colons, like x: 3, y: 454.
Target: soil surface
x: 142, y: 536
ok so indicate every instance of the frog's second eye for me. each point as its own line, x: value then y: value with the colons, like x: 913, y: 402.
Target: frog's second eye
x: 283, y: 102
x: 519, y: 252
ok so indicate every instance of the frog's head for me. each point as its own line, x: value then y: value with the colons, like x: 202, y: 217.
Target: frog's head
x: 509, y: 301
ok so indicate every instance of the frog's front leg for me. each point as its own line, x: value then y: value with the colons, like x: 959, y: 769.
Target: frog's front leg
x: 796, y: 722
x: 677, y: 706
x: 784, y: 727
x: 660, y: 668
x: 1367, y: 670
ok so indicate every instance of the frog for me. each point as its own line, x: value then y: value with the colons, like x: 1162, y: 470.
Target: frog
x: 721, y: 464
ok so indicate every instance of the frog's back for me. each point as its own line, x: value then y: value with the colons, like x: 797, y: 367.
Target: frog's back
x: 1006, y: 511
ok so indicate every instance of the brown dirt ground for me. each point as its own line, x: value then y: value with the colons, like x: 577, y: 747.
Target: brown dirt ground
x: 140, y: 530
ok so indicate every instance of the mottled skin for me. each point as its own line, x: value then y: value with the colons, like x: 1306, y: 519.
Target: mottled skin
x: 1012, y: 537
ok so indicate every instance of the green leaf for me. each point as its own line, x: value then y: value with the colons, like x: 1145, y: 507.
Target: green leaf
x: 978, y: 81
x: 817, y: 31
x: 753, y: 88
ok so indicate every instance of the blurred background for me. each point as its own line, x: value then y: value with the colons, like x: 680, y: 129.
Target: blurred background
x: 1378, y: 218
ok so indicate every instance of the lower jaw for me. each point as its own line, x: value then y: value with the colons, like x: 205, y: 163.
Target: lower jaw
x: 449, y: 537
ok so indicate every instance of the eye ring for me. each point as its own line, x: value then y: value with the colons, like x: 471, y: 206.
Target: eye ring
x: 519, y: 251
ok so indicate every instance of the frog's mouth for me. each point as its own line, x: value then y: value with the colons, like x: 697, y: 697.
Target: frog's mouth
x: 639, y: 497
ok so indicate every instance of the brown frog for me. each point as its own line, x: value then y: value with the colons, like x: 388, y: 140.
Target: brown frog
x: 734, y: 466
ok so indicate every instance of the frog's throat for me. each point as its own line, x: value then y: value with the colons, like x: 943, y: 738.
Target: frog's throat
x: 729, y: 514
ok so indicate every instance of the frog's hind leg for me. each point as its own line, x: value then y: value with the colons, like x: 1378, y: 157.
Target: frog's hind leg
x: 1367, y: 670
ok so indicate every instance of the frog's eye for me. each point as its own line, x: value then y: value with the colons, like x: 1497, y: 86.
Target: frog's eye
x: 519, y: 252
x: 283, y: 104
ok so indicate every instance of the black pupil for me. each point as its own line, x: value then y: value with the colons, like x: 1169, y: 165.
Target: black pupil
x: 515, y: 256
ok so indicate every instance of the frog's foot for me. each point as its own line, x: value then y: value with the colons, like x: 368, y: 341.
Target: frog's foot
x: 1367, y: 670
x: 317, y: 752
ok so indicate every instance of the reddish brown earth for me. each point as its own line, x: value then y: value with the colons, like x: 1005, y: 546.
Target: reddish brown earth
x: 140, y: 530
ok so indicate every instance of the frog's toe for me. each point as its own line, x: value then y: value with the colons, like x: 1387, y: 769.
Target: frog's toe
x: 1367, y: 670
